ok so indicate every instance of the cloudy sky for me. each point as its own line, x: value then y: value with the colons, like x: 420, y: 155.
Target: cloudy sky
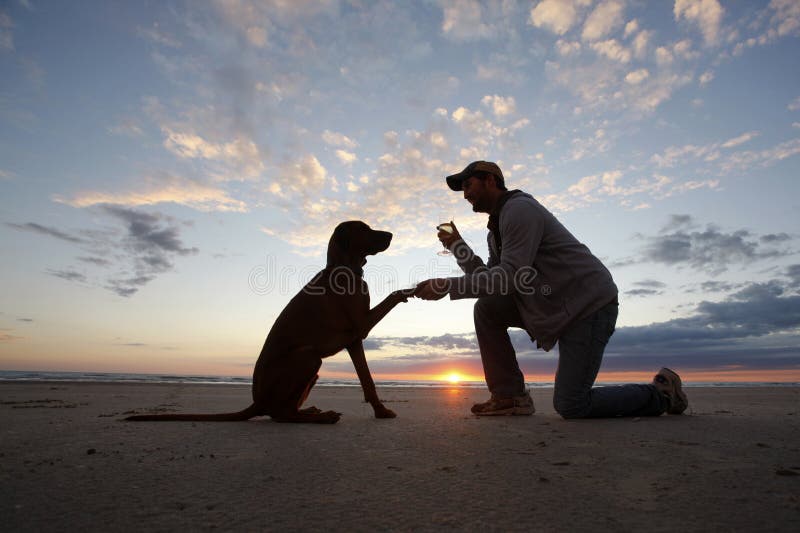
x: 170, y: 172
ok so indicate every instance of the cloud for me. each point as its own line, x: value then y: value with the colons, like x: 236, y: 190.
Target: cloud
x: 611, y: 184
x: 741, y: 161
x: 483, y: 132
x: 557, y: 16
x: 794, y: 105
x: 6, y: 35
x: 741, y: 139
x: 150, y: 243
x: 631, y: 27
x: 722, y: 156
x: 635, y: 77
x: 757, y: 310
x: 680, y: 51
x: 448, y: 341
x: 605, y: 18
x: 128, y: 127
x: 566, y: 48
x: 772, y: 238
x: 613, y: 50
x: 97, y: 261
x: 705, y: 14
x: 69, y: 275
x: 500, y: 106
x: 711, y: 250
x: 793, y: 273
x: 641, y: 43
x: 301, y: 177
x: 600, y: 86
x: 165, y: 189
x: 131, y: 258
x: 647, y: 287
x: 348, y: 158
x: 718, y: 286
x: 584, y: 186
x: 147, y: 232
x: 786, y: 17
x: 463, y: 20
x: 338, y: 139
x: 8, y: 337
x: 706, y: 78
x: 240, y: 154
x: 255, y: 22
x: 46, y: 230
x: 594, y: 144
x: 156, y: 35
x: 781, y: 18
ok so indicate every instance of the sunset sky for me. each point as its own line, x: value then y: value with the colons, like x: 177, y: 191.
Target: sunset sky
x: 170, y: 173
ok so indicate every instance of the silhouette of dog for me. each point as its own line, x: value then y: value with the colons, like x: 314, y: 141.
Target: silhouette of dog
x: 329, y: 314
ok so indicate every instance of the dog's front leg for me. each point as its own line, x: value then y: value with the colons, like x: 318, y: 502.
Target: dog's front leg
x: 356, y: 351
x: 377, y: 313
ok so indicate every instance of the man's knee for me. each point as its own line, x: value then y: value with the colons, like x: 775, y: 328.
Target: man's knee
x: 481, y: 308
x: 494, y: 310
x: 570, y: 407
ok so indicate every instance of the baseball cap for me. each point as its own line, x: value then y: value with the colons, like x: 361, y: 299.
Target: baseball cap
x: 454, y: 181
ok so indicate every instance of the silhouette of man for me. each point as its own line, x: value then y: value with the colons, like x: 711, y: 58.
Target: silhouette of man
x: 541, y: 279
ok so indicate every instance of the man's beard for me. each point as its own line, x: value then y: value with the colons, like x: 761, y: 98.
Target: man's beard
x: 478, y: 207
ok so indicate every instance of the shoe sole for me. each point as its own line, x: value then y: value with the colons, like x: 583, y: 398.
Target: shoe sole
x: 499, y: 412
x: 515, y: 411
x: 678, y: 389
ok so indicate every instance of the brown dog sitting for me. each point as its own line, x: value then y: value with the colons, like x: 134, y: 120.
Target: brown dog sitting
x: 330, y: 313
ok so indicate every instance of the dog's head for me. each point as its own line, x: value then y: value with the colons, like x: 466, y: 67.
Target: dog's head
x: 353, y: 241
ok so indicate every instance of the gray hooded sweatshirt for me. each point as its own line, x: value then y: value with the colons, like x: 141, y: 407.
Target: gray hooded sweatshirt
x: 553, y: 278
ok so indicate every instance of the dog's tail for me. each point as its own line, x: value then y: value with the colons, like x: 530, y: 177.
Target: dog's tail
x: 244, y: 414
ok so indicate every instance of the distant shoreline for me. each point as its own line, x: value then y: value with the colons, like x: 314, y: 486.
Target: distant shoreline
x: 112, y: 377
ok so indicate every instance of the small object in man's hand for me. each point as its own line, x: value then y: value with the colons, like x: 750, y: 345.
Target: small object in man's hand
x: 447, y: 228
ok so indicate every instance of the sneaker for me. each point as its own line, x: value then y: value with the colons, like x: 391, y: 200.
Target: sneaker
x: 496, y: 406
x: 668, y: 383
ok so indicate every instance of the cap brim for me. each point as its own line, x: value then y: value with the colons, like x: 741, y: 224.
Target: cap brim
x: 455, y: 181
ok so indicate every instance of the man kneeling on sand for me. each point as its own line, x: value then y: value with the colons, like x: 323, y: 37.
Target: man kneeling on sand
x: 542, y: 279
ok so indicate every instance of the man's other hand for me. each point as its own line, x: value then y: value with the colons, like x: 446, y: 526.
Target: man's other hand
x: 432, y: 289
x: 449, y: 238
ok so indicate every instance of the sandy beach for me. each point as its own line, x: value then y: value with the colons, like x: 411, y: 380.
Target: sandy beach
x: 70, y: 463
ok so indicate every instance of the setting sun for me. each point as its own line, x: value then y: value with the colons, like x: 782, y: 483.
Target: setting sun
x: 454, y: 377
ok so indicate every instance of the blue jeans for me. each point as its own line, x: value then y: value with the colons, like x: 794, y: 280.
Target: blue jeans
x: 581, y: 349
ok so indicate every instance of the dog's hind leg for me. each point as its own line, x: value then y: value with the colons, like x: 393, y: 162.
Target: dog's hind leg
x: 304, y: 397
x: 299, y: 378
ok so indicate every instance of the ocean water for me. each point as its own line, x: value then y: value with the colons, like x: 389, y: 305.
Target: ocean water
x: 107, y: 377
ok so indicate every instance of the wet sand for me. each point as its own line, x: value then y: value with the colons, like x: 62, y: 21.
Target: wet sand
x: 68, y: 462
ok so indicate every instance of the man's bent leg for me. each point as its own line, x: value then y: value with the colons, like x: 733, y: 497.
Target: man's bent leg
x: 581, y: 350
x: 493, y: 316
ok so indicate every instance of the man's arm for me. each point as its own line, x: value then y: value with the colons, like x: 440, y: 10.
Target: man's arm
x: 463, y: 254
x: 466, y: 258
x: 521, y: 228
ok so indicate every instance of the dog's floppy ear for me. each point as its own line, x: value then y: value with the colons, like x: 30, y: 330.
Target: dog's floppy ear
x: 339, y: 245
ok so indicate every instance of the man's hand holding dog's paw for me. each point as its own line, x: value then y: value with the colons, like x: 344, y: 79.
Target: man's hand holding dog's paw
x: 432, y: 289
x: 403, y: 295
